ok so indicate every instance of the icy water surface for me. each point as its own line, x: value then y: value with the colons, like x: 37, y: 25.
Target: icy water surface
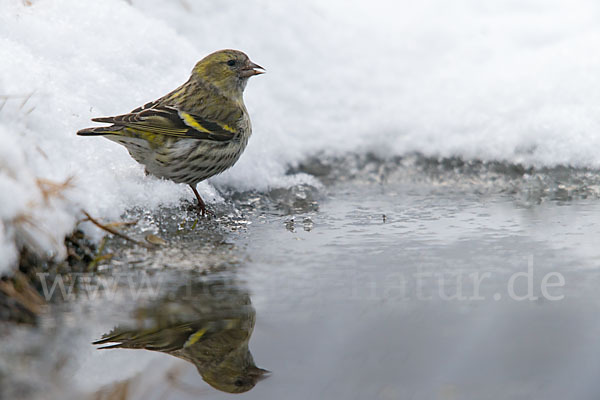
x: 397, y: 280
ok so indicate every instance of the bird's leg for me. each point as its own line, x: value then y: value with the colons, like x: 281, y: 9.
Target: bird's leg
x: 201, y: 205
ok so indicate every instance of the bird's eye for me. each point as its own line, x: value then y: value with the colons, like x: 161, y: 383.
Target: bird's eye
x: 231, y: 63
x: 239, y: 382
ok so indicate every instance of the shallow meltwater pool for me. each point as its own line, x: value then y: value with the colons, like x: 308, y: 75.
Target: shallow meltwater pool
x: 401, y: 289
x: 450, y: 296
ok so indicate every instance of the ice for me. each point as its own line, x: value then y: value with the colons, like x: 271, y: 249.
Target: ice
x: 515, y: 81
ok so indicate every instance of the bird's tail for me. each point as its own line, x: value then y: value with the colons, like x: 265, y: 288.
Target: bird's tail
x: 97, y: 131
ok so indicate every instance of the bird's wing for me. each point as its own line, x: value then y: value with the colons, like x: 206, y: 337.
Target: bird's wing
x: 156, y: 119
x: 160, y: 339
x: 168, y: 338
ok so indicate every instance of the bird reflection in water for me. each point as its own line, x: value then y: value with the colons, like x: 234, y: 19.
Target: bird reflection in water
x: 206, y: 323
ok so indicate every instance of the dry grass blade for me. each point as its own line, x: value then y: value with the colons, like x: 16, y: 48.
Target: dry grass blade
x: 118, y: 391
x: 20, y: 289
x: 53, y: 189
x: 115, y: 232
x: 155, y: 240
x: 25, y: 97
x: 92, y: 266
x: 122, y: 223
x: 26, y: 100
x: 26, y: 235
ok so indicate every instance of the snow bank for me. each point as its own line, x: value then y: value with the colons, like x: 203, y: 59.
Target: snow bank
x: 508, y: 80
x: 62, y: 63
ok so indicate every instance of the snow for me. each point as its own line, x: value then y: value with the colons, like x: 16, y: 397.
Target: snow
x: 506, y: 80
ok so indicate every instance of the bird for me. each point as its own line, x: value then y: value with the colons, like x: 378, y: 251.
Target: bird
x: 208, y: 324
x: 194, y: 132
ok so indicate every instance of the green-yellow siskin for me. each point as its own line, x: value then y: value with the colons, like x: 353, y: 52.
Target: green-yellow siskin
x: 194, y: 132
x: 207, y: 324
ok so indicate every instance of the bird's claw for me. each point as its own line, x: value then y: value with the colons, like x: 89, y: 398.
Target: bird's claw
x: 206, y: 212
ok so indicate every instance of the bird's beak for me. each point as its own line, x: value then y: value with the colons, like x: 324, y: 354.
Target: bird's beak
x: 250, y: 70
x: 258, y: 373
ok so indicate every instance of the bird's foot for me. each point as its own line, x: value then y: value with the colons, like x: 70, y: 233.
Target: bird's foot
x: 201, y: 210
x: 204, y: 211
x: 201, y: 207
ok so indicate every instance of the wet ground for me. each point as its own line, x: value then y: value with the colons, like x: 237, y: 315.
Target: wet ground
x: 397, y: 279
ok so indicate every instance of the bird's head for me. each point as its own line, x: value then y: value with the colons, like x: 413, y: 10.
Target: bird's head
x: 228, y: 70
x: 236, y: 373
